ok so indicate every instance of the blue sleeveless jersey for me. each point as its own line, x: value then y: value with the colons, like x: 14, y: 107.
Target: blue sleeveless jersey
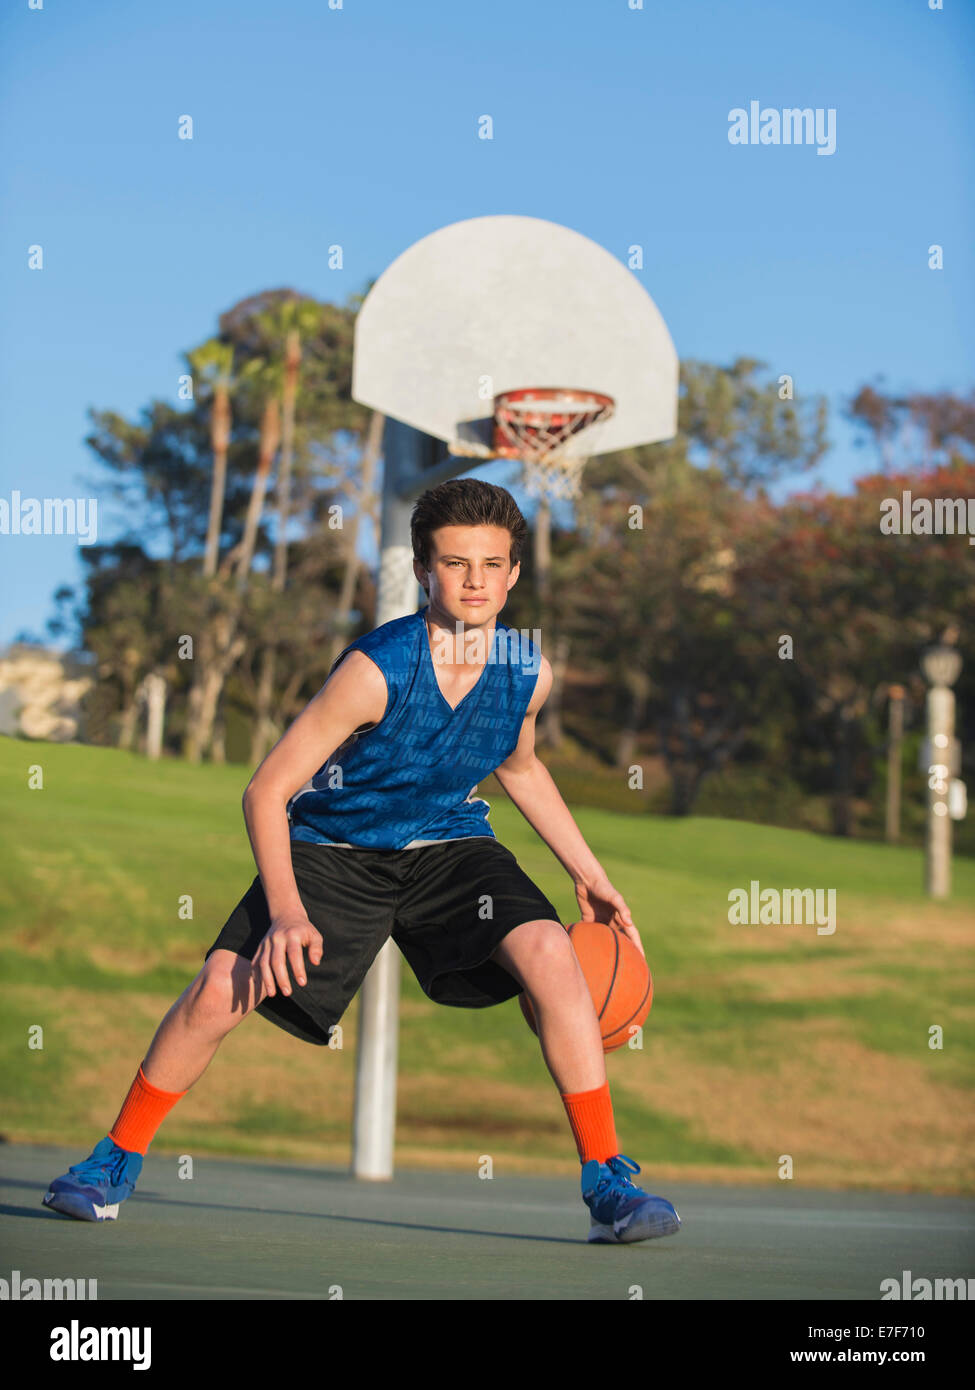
x: 410, y: 779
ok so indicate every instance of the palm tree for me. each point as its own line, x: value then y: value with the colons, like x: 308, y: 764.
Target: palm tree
x: 224, y: 644
x: 267, y: 376
x: 365, y: 506
x: 285, y: 326
x: 212, y: 365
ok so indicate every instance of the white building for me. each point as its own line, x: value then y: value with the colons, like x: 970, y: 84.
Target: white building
x: 41, y: 692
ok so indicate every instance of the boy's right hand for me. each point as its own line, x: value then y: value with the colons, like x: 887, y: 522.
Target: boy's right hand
x: 283, y: 944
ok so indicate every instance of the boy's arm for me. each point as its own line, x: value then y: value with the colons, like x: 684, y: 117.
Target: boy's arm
x: 528, y: 782
x: 354, y: 695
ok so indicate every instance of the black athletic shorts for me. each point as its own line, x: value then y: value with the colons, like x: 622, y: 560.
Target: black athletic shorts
x: 447, y: 906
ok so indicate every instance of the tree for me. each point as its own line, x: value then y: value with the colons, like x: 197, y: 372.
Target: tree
x: 223, y: 643
x: 660, y: 606
x: 212, y: 365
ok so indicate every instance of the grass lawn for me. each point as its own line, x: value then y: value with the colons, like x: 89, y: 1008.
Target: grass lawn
x: 763, y: 1041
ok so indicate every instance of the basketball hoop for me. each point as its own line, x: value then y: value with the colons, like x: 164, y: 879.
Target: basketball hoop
x: 539, y: 425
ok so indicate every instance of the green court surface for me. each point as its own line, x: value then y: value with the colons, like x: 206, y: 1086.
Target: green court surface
x: 247, y: 1230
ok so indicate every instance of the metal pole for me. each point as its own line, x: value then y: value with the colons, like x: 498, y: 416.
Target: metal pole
x: 941, y: 723
x: 896, y: 733
x: 374, y: 1122
x: 941, y: 665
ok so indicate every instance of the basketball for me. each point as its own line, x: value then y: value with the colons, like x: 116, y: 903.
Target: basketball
x: 618, y: 977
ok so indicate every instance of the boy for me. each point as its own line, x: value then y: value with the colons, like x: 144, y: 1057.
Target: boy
x: 397, y: 845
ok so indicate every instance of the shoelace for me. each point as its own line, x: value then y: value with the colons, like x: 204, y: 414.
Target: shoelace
x: 92, y: 1169
x: 620, y: 1167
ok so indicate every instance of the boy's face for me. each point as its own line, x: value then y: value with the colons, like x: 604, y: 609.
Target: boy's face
x: 468, y: 562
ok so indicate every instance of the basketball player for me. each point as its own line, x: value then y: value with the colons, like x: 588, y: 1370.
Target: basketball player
x: 385, y: 837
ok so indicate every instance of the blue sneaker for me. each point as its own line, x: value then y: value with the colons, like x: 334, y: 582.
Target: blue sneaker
x: 92, y: 1191
x: 622, y: 1213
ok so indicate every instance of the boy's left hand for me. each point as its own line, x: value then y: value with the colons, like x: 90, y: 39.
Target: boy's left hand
x: 600, y: 902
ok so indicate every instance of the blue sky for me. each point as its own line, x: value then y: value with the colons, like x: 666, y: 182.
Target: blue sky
x: 358, y: 126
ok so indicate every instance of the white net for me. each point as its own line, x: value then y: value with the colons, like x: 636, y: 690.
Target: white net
x: 553, y: 477
x: 540, y: 426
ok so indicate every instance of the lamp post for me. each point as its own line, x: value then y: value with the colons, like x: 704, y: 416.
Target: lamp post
x: 896, y: 726
x: 941, y: 665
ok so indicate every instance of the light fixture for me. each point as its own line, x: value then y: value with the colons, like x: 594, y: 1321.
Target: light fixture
x: 941, y: 665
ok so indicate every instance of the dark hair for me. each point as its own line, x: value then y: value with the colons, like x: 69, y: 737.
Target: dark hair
x: 466, y: 502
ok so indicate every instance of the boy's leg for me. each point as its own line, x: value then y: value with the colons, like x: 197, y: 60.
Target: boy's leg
x: 226, y: 990
x: 537, y: 955
x: 223, y: 993
x: 464, y: 959
x: 541, y: 958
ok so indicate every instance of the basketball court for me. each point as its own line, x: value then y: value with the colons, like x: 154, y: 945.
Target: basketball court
x: 248, y: 1230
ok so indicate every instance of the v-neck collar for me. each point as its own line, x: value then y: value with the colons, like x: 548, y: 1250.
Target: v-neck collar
x: 425, y: 638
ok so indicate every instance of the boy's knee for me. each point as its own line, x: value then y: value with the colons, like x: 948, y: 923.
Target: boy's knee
x: 546, y: 945
x: 225, y: 989
x: 558, y: 944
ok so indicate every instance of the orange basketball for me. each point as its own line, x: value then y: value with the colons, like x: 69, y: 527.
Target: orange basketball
x: 618, y: 977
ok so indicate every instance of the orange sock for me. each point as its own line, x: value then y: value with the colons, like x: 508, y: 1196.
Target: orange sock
x: 143, y: 1111
x: 593, y: 1127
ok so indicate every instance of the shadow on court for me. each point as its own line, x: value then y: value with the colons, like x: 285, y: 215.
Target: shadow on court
x: 250, y: 1230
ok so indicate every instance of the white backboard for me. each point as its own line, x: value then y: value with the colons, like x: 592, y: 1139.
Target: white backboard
x: 496, y: 303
